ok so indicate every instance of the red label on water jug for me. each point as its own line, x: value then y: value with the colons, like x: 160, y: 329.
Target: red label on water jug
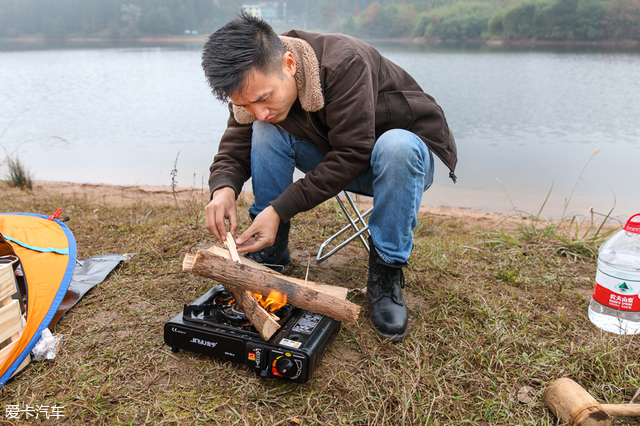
x: 617, y: 293
x: 633, y: 225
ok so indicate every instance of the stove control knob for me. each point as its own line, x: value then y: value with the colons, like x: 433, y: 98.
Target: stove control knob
x: 286, y: 366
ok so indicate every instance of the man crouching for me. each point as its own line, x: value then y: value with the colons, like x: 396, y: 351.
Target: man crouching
x: 336, y: 109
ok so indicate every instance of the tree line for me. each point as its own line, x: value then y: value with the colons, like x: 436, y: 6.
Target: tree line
x: 441, y: 19
x: 528, y: 19
x: 112, y: 18
x: 134, y: 18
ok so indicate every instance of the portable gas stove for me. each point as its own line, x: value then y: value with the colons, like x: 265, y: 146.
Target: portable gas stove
x: 215, y: 325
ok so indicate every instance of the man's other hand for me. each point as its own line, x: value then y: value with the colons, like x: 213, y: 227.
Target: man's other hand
x: 222, y: 206
x: 261, y: 233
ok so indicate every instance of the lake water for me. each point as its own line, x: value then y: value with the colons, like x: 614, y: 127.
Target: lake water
x: 526, y: 121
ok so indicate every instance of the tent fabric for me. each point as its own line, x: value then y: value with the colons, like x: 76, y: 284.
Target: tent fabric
x: 42, y: 249
x: 46, y: 272
x: 87, y: 274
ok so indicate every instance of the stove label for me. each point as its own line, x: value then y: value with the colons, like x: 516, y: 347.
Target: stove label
x: 307, y: 323
x: 254, y: 355
x: 203, y: 342
x: 177, y: 330
x: 290, y: 343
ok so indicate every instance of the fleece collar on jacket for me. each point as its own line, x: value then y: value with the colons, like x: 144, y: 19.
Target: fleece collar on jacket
x: 307, y: 78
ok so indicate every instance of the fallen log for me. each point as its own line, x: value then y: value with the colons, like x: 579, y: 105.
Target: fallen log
x: 335, y: 291
x: 229, y: 273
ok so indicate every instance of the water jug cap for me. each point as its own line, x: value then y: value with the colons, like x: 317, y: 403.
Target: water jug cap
x: 633, y: 226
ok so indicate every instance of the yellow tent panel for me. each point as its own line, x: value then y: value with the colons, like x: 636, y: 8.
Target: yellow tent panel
x: 47, y: 252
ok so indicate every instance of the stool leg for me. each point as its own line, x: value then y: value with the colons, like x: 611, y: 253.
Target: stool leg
x: 360, y: 217
x: 353, y: 224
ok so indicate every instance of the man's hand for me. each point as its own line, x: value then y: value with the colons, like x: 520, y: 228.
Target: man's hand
x: 221, y: 207
x: 261, y: 234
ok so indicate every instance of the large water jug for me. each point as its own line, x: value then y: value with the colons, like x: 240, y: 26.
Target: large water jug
x: 615, y: 304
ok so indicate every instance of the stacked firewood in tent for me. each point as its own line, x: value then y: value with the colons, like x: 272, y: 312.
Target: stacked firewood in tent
x: 11, y: 323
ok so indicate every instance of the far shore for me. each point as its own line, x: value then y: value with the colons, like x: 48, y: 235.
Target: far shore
x: 201, y: 38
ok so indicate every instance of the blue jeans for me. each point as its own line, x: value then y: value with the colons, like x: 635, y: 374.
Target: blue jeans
x: 401, y: 170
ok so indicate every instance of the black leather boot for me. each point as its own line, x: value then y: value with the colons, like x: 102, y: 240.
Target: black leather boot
x: 277, y: 256
x: 384, y: 287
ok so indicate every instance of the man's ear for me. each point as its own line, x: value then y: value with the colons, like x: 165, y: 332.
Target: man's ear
x: 289, y: 63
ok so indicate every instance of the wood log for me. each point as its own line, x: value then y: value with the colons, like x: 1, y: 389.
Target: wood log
x: 335, y: 291
x: 573, y: 405
x: 227, y: 272
x: 263, y: 321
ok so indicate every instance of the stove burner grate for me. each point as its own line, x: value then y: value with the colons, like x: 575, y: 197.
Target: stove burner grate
x: 222, y: 310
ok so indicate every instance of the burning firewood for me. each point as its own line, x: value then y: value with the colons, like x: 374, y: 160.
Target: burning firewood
x: 234, y: 275
x: 265, y: 322
x: 262, y: 320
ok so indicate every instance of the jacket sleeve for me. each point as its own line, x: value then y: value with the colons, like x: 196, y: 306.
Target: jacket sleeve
x: 232, y: 165
x: 350, y: 94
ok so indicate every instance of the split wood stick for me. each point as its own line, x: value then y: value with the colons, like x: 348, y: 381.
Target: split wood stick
x: 333, y: 290
x: 231, y: 245
x: 208, y: 265
x: 263, y: 321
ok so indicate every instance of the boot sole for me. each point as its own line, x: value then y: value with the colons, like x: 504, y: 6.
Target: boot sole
x: 396, y: 338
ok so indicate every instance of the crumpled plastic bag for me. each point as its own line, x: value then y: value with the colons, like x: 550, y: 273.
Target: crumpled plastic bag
x: 47, y: 347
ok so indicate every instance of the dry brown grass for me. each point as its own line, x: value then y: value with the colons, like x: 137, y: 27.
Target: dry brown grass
x: 486, y: 320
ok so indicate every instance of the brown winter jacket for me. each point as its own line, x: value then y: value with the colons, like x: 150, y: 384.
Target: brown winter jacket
x: 348, y: 96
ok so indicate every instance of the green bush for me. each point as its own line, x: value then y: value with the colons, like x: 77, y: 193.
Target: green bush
x: 390, y: 21
x: 551, y: 20
x: 348, y: 26
x: 590, y: 13
x: 519, y: 20
x: 420, y: 24
x: 464, y: 20
x: 496, y: 22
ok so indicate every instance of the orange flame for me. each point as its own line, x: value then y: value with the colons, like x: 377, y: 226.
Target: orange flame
x: 274, y: 301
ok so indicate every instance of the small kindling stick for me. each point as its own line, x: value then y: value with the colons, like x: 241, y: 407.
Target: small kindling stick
x: 231, y: 246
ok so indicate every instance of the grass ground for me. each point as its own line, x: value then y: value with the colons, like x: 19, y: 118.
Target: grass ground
x: 495, y: 315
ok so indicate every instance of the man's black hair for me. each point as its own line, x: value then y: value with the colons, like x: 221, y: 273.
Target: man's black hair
x: 236, y: 49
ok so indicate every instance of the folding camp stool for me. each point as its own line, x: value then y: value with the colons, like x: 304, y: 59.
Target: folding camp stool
x: 356, y: 223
